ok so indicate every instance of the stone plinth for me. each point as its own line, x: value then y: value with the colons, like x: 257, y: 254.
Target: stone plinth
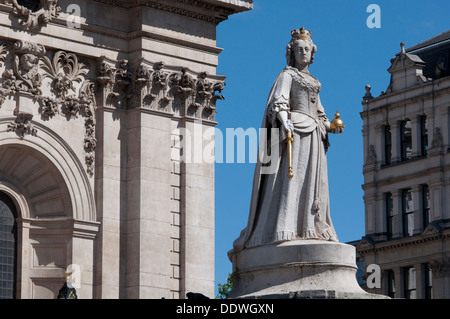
x: 296, y: 269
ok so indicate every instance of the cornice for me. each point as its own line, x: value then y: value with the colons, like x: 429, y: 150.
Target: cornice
x: 217, y: 13
x: 366, y: 247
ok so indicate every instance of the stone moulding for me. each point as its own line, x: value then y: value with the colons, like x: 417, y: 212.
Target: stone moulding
x: 33, y: 20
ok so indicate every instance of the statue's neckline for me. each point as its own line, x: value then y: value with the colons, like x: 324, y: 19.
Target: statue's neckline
x: 301, y: 72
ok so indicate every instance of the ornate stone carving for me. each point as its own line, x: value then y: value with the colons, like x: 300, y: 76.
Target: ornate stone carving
x: 371, y: 155
x: 31, y: 19
x: 150, y: 82
x: 49, y: 107
x: 151, y: 85
x: 64, y: 70
x: 87, y: 105
x: 437, y: 141
x: 22, y: 125
x: 3, y: 52
x: 24, y: 75
x: 114, y: 81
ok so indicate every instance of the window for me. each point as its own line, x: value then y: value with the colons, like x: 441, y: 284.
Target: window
x: 7, y: 247
x: 389, y: 214
x: 408, y: 212
x: 425, y: 205
x: 387, y: 145
x: 405, y: 140
x: 428, y: 281
x: 391, y: 283
x: 423, y: 135
x: 410, y: 282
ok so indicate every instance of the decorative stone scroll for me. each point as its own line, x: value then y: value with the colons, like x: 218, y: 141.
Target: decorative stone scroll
x: 33, y: 14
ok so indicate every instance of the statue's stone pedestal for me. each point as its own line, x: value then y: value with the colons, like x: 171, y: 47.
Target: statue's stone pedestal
x: 297, y: 269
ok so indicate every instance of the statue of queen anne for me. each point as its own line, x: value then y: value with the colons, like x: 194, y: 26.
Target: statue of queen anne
x: 293, y: 207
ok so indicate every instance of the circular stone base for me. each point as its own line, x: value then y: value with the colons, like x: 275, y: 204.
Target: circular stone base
x: 296, y: 269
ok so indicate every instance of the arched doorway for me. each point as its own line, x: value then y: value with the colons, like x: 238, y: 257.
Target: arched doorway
x: 8, y: 247
x: 45, y: 198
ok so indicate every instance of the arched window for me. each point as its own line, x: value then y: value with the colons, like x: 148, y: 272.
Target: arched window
x: 8, y: 247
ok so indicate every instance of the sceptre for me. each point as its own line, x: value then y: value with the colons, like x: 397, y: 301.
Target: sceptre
x: 289, y: 146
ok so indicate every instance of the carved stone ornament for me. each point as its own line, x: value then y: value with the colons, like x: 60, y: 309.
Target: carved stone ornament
x: 24, y: 75
x: 22, y: 126
x: 114, y: 81
x: 71, y: 94
x: 371, y: 155
x: 182, y: 92
x: 437, y: 141
x: 64, y: 70
x: 3, y: 53
x: 33, y: 19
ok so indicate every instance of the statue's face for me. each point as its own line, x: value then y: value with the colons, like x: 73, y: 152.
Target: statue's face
x: 302, y: 52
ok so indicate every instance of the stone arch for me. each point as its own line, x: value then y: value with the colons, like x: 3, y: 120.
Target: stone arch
x: 35, y: 178
x: 45, y: 159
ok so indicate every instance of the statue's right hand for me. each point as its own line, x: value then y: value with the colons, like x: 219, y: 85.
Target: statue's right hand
x: 288, y: 126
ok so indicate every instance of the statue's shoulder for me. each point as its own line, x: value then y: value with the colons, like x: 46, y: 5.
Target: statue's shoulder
x: 286, y: 75
x: 288, y: 71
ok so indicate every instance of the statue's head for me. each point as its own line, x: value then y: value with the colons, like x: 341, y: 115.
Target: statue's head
x: 300, y: 50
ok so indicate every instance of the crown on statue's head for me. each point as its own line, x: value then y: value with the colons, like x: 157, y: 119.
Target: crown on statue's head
x: 301, y: 34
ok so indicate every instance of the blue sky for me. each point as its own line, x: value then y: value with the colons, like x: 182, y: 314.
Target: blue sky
x: 350, y: 55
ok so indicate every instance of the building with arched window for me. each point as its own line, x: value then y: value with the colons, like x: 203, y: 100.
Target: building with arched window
x: 93, y: 178
x: 406, y: 133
